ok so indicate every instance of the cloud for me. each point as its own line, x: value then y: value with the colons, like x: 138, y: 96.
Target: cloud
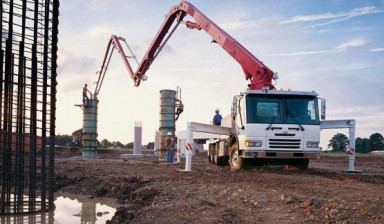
x: 336, y: 17
x: 99, y: 31
x: 309, y: 18
x: 300, y: 53
x: 239, y: 24
x: 361, y: 111
x: 72, y: 63
x: 358, y: 29
x: 377, y: 49
x: 247, y: 24
x: 368, y: 118
x: 355, y: 42
x: 99, y: 4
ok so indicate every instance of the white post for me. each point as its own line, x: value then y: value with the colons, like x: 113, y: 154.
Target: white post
x: 351, y: 149
x: 137, y: 144
x: 157, y: 143
x: 189, y: 148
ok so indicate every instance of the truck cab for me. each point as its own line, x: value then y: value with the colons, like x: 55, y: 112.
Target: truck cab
x: 281, y: 126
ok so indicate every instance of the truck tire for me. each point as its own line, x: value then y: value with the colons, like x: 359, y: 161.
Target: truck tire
x: 222, y: 160
x: 235, y: 161
x: 215, y: 159
x: 302, y: 164
x: 209, y: 155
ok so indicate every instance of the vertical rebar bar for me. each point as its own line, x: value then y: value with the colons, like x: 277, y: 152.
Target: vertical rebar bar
x: 19, y: 158
x: 55, y: 31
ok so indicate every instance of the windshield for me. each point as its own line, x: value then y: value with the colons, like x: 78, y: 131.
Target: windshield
x: 301, y: 110
x: 264, y: 109
x: 282, y: 109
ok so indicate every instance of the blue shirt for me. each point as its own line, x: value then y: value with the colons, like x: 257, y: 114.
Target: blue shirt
x: 217, y: 119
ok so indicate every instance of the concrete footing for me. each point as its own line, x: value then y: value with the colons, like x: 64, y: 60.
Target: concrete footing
x: 136, y: 156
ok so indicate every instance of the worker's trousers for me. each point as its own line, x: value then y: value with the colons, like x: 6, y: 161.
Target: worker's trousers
x: 169, y: 155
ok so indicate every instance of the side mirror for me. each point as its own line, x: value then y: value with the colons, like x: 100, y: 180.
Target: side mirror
x: 323, y: 107
x: 234, y: 107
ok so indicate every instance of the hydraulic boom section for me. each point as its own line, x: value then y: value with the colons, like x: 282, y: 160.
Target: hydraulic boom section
x: 115, y: 42
x: 254, y: 70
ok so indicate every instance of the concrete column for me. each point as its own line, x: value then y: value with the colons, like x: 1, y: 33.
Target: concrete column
x: 167, y: 119
x: 157, y: 143
x: 137, y: 144
x: 89, y: 138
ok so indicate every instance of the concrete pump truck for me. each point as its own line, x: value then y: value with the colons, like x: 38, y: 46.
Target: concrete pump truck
x: 265, y: 123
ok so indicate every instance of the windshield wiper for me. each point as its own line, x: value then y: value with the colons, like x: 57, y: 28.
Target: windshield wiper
x: 273, y: 121
x: 294, y: 119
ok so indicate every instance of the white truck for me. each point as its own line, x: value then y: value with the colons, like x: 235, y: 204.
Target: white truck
x: 280, y: 126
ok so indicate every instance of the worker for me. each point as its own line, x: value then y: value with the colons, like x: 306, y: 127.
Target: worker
x: 85, y: 97
x: 169, y: 144
x: 217, y: 118
x: 180, y: 108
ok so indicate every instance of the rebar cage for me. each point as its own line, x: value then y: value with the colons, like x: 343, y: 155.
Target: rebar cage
x: 29, y: 30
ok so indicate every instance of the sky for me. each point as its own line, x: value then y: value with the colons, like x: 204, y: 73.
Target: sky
x: 335, y: 47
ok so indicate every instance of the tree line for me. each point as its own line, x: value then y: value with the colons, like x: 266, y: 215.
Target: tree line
x: 74, y: 140
x: 339, y: 143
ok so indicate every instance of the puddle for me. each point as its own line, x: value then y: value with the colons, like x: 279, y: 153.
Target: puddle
x: 70, y: 209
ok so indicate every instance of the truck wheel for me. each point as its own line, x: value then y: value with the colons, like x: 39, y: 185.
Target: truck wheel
x: 219, y: 161
x: 302, y: 164
x: 235, y: 161
x: 215, y: 159
x: 212, y: 158
x: 222, y: 160
x: 209, y: 155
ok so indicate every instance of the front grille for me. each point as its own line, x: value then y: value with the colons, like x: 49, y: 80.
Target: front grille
x: 290, y: 135
x: 284, y: 143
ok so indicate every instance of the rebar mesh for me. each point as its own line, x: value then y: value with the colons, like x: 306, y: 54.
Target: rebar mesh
x: 29, y: 31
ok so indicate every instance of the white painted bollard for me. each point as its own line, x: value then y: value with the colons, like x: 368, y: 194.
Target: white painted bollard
x: 351, y: 151
x: 188, y: 157
x: 189, y: 149
x: 157, y: 143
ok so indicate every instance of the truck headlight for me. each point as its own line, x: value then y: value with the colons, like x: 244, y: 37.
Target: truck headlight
x: 257, y: 143
x: 312, y: 144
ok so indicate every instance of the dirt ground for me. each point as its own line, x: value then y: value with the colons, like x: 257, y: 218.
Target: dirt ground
x: 155, y: 192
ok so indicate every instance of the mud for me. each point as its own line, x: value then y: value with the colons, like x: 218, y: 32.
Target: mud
x: 153, y: 192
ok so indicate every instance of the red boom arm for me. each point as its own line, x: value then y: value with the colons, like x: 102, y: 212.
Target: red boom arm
x: 254, y: 70
x: 114, y: 42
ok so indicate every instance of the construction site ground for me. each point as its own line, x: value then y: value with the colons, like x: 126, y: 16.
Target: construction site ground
x: 150, y: 191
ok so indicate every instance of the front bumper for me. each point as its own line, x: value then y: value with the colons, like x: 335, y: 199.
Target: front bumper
x: 280, y: 154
